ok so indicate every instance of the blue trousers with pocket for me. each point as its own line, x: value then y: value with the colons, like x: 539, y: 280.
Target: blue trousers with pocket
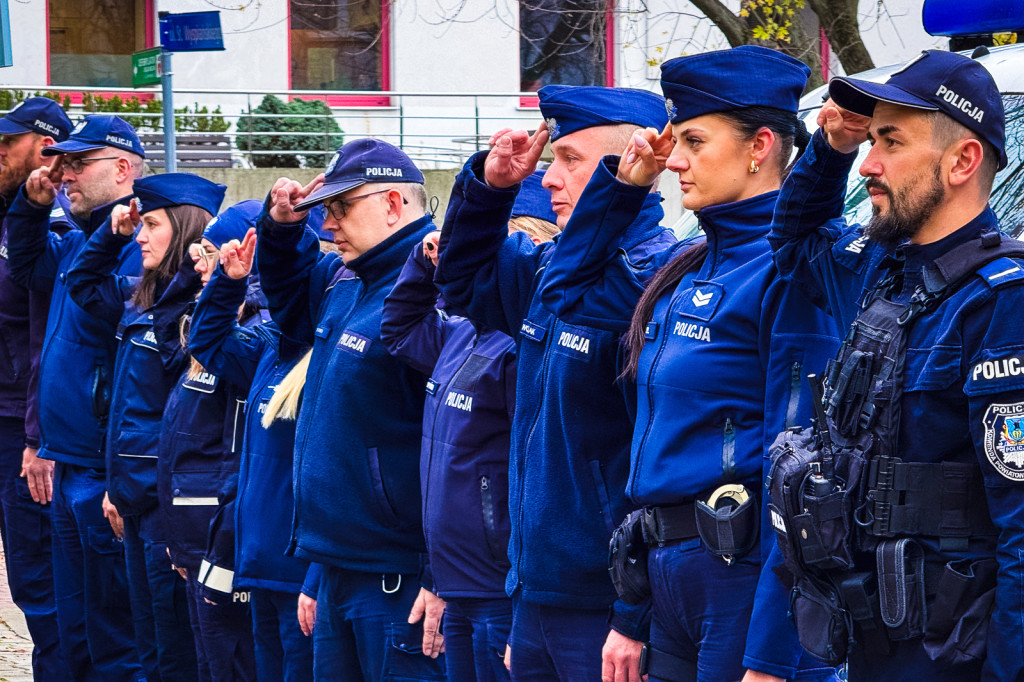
x: 223, y: 637
x: 362, y: 632
x: 25, y: 530
x: 159, y: 604
x: 282, y: 651
x: 90, y: 581
x: 555, y: 643
x: 476, y: 632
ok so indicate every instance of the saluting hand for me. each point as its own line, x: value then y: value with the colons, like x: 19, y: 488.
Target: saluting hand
x: 843, y: 129
x: 430, y: 243
x: 286, y: 193
x: 514, y: 155
x: 123, y: 219
x: 645, y: 156
x: 41, y: 186
x: 236, y: 257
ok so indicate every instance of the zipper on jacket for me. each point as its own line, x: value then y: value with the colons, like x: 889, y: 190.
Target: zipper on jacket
x: 650, y: 393
x: 488, y: 511
x: 522, y: 460
x: 729, y: 449
x: 794, y: 394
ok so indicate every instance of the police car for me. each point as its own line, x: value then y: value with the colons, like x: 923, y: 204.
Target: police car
x: 1005, y: 63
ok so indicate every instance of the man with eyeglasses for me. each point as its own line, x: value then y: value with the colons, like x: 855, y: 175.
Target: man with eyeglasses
x: 97, y: 164
x: 357, y: 484
x: 26, y: 481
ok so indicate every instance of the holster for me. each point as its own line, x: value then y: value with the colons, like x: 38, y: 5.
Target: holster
x: 627, y: 560
x: 956, y: 630
x: 729, y: 531
x: 901, y: 595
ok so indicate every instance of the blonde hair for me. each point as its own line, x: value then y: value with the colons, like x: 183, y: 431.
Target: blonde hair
x: 535, y: 227
x: 284, y: 404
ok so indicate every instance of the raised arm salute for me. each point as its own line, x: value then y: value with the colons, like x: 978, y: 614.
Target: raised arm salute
x: 922, y: 410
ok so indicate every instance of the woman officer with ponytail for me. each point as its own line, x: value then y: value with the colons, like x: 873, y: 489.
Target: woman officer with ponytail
x: 173, y: 209
x: 718, y: 348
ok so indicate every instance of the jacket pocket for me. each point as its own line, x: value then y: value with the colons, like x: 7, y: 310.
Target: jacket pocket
x: 100, y: 386
x: 494, y: 512
x: 196, y: 488
x: 386, y: 509
x: 602, y: 495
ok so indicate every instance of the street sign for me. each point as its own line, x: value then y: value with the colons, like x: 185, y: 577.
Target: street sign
x: 146, y: 67
x: 6, y: 59
x: 191, y: 31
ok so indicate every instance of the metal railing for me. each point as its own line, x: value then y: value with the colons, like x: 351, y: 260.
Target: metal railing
x: 437, y: 129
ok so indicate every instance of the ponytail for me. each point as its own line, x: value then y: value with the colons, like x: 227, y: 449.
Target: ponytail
x: 665, y: 280
x: 284, y: 404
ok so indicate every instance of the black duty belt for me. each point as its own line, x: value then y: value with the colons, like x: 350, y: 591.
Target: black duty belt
x: 670, y: 524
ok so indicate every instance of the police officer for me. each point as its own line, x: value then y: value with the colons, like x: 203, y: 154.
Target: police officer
x: 26, y: 481
x: 197, y: 472
x: 570, y: 439
x: 466, y: 429
x: 173, y: 209
x: 357, y: 434
x: 923, y: 404
x: 718, y: 347
x: 265, y: 359
x: 97, y: 164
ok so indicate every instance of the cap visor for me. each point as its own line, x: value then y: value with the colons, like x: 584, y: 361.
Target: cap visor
x: 326, y: 192
x: 860, y: 97
x: 9, y: 127
x: 71, y: 147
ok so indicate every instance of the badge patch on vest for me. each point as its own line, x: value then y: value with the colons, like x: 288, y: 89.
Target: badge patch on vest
x: 204, y: 382
x: 1004, y: 439
x: 350, y: 342
x: 147, y: 340
x: 532, y: 331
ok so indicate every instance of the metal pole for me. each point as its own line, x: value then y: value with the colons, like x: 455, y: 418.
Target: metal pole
x: 170, y: 147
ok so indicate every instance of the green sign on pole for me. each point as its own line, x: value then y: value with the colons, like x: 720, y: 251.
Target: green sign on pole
x: 146, y: 68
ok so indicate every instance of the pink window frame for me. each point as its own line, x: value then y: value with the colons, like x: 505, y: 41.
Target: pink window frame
x: 362, y: 101
x: 150, y: 23
x: 533, y: 102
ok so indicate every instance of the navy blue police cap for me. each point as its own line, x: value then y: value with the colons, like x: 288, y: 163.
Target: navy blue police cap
x: 727, y: 80
x: 359, y: 162
x: 233, y: 222
x: 37, y: 115
x: 96, y: 132
x: 936, y: 80
x: 174, y: 189
x: 569, y: 108
x: 534, y: 199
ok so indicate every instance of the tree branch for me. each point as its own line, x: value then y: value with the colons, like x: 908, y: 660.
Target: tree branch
x: 732, y: 26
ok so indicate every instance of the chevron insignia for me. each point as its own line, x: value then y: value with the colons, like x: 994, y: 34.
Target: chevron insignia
x: 700, y: 300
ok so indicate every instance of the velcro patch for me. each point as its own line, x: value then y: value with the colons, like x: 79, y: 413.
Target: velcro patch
x: 1001, y: 271
x: 1004, y: 439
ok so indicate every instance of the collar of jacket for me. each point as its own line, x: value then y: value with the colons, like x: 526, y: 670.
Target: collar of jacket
x: 735, y: 224
x: 917, y: 256
x: 387, y: 258
x: 646, y: 224
x: 99, y: 215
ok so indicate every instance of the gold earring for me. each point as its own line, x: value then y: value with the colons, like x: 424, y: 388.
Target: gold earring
x: 754, y: 167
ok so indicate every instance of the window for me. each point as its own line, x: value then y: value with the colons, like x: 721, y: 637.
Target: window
x: 564, y: 42
x: 339, y: 44
x: 91, y: 41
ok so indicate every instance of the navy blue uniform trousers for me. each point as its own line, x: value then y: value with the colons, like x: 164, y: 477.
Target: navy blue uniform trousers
x: 90, y: 581
x: 25, y: 530
x: 282, y: 651
x: 159, y: 604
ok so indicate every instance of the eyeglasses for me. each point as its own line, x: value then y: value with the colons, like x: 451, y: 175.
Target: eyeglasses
x: 78, y: 165
x: 197, y: 251
x: 338, y: 207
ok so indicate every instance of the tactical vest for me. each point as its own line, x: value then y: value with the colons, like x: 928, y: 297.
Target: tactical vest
x: 841, y: 488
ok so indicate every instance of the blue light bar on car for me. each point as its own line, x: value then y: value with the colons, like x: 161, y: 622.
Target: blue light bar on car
x: 957, y: 18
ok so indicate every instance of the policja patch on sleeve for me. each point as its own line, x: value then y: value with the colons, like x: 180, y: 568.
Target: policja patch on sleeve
x: 1004, y: 439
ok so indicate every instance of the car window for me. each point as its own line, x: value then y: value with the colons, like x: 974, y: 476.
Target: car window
x: 1007, y: 192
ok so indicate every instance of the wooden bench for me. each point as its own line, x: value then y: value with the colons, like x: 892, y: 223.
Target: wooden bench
x: 195, y: 150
